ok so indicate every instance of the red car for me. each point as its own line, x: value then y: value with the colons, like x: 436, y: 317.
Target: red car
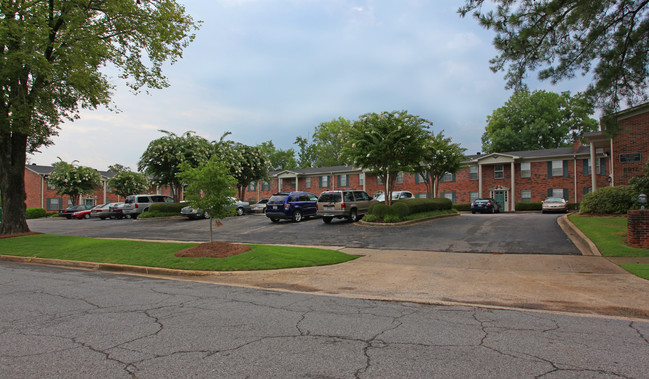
x: 85, y: 213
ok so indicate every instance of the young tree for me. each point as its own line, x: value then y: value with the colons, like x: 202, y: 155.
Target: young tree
x: 209, y: 187
x: 441, y: 156
x: 127, y: 182
x: 386, y: 144
x: 537, y: 120
x: 51, y: 60
x: 73, y: 180
x: 559, y: 38
x: 306, y: 156
x: 162, y: 158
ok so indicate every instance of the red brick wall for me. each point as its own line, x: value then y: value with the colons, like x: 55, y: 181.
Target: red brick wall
x: 638, y: 229
x: 634, y: 138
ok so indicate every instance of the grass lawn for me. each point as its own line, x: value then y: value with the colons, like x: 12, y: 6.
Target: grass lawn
x: 608, y: 233
x: 161, y: 254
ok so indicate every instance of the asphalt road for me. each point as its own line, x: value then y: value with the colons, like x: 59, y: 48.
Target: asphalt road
x: 518, y: 233
x: 77, y: 324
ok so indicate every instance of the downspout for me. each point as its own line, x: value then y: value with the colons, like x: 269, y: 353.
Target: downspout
x: 105, y: 184
x: 479, y: 180
x: 512, y: 196
x: 612, y: 167
x: 42, y: 191
x: 574, y: 161
x: 593, y: 178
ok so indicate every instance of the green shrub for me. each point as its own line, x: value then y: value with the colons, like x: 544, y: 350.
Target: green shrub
x: 529, y: 206
x: 401, y: 210
x: 462, y: 207
x: 391, y: 218
x: 608, y: 200
x: 379, y: 210
x: 370, y: 218
x: 35, y: 213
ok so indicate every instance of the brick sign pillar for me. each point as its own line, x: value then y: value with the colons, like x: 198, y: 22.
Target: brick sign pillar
x: 638, y: 228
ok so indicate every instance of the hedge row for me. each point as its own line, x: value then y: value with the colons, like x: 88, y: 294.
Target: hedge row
x: 167, y: 207
x: 35, y: 213
x: 400, y: 209
x: 610, y: 200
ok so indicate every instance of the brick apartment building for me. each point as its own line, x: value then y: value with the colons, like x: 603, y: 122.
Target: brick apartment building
x: 511, y: 177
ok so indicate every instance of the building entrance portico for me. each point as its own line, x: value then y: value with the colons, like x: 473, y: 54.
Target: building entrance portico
x: 501, y: 195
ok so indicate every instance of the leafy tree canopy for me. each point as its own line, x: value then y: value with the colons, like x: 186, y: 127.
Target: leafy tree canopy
x: 386, y: 144
x: 608, y: 39
x: 51, y: 60
x: 162, y: 158
x: 278, y: 159
x: 73, y: 180
x: 247, y: 164
x: 126, y: 182
x: 440, y: 156
x: 327, y: 146
x: 537, y: 120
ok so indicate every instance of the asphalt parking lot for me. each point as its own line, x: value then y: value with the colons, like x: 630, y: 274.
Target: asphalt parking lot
x: 516, y: 233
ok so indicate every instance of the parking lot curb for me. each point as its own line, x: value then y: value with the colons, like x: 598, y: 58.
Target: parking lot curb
x: 405, y: 223
x: 579, y: 239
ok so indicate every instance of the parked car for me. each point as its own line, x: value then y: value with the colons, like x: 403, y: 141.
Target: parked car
x: 134, y: 205
x: 291, y: 205
x: 85, y: 213
x: 67, y: 212
x: 242, y: 207
x: 396, y: 195
x: 349, y: 204
x: 485, y: 205
x: 554, y: 204
x: 105, y: 211
x: 260, y: 206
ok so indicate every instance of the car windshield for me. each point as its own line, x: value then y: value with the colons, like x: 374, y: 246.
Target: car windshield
x: 554, y: 200
x: 330, y: 197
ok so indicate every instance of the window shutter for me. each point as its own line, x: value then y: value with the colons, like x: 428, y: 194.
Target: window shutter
x: 416, y: 178
x: 320, y: 179
x: 454, y: 198
x: 454, y: 176
x: 602, y: 166
x: 549, y: 192
x: 585, y: 167
x: 549, y: 169
x: 566, y: 194
x: 337, y: 180
x: 347, y: 180
x: 565, y: 168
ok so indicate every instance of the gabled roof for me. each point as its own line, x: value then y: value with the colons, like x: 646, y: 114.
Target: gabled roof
x: 534, y: 154
x: 46, y: 170
x: 317, y: 171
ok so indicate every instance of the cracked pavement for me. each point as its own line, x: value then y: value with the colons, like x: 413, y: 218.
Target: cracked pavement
x: 59, y: 322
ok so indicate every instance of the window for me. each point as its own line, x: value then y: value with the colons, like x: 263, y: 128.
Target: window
x: 343, y: 180
x: 420, y: 195
x: 448, y: 177
x: 557, y: 168
x: 307, y: 182
x: 526, y: 196
x: 473, y: 172
x: 53, y: 204
x: 473, y: 196
x: 265, y: 186
x: 526, y: 170
x: 449, y: 195
x: 419, y: 179
x: 50, y: 186
x: 559, y: 192
x: 324, y: 182
x: 252, y: 186
x: 361, y: 179
x: 631, y: 157
x: 499, y: 171
x: 400, y: 177
x: 379, y: 181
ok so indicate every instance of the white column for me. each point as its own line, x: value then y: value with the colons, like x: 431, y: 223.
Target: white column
x: 296, y: 183
x: 512, y: 197
x: 593, y: 177
x: 479, y: 180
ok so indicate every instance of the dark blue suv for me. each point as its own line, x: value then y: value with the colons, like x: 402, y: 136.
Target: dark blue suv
x: 291, y: 205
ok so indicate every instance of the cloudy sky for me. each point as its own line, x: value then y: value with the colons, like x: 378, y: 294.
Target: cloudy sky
x: 275, y: 69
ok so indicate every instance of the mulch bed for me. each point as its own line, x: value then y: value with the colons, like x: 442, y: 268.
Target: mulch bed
x: 215, y: 249
x: 18, y: 235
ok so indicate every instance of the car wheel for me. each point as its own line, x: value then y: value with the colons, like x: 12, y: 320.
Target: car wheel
x: 473, y: 212
x: 86, y: 216
x: 327, y: 220
x: 275, y: 220
x: 102, y: 218
x: 239, y: 211
x: 134, y: 216
x: 297, y: 216
x: 353, y: 215
x: 69, y: 217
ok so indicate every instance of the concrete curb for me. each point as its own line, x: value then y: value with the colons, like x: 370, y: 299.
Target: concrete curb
x: 583, y: 243
x: 405, y: 223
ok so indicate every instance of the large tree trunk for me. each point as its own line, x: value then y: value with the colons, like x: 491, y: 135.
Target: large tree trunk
x: 12, y: 182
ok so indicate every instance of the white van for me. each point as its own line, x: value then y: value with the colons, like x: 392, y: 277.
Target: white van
x: 134, y: 205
